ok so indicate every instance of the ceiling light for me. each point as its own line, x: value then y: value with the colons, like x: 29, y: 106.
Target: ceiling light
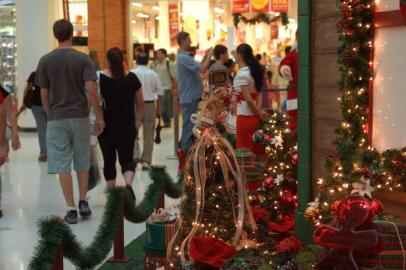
x: 157, y: 8
x: 133, y: 21
x: 157, y: 18
x: 219, y: 10
x: 137, y: 4
x: 142, y: 15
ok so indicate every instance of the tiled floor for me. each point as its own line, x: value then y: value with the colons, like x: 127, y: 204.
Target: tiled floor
x: 29, y: 193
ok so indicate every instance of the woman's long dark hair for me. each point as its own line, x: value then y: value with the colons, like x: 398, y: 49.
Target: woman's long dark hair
x: 116, y: 59
x: 257, y: 70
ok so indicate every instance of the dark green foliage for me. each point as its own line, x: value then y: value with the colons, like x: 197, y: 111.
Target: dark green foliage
x: 54, y: 232
x: 258, y: 18
x: 355, y: 158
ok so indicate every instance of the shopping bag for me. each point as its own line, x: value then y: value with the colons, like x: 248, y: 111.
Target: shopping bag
x: 94, y: 171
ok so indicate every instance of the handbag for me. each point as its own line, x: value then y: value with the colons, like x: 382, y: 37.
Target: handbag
x: 158, y: 132
x: 29, y: 96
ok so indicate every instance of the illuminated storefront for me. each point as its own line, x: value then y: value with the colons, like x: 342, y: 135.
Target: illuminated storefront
x: 8, y: 45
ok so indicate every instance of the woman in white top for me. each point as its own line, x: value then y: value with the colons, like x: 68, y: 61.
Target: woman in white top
x: 247, y: 84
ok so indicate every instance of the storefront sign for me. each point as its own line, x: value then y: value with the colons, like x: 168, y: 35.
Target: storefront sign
x: 7, y: 2
x: 274, y: 29
x: 280, y: 5
x: 260, y: 5
x: 173, y: 22
x: 241, y: 6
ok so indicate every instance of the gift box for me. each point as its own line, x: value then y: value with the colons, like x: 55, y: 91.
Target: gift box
x: 153, y: 262
x: 158, y: 237
x: 251, y: 167
x: 161, y: 227
x: 392, y: 256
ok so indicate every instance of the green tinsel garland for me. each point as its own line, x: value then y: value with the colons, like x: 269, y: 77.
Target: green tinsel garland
x: 355, y: 158
x: 145, y: 208
x: 260, y: 17
x: 54, y: 232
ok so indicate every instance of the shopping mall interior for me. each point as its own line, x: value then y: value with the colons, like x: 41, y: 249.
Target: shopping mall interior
x: 323, y: 185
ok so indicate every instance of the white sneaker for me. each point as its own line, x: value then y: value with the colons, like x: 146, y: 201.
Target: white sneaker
x: 145, y: 166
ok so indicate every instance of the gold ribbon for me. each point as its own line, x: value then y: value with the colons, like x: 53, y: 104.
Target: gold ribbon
x: 241, y: 183
x: 210, y: 136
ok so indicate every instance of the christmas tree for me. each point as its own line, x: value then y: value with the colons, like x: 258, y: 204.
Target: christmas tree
x: 356, y: 167
x: 214, y: 206
x: 274, y: 203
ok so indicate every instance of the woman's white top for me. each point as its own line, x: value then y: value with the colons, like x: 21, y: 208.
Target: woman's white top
x: 243, y: 78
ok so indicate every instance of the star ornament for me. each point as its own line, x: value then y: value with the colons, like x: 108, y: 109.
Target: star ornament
x: 277, y: 141
x: 314, y: 204
x: 364, y: 188
x: 279, y: 179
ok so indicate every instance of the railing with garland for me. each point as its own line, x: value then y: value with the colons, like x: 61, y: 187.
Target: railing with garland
x: 58, y: 241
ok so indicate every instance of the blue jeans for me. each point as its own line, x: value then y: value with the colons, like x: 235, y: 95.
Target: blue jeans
x: 187, y: 126
x: 41, y: 119
x: 166, y: 106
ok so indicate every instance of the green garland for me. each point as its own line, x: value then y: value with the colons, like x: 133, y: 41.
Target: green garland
x: 355, y: 159
x: 258, y: 18
x: 54, y: 232
x: 145, y: 208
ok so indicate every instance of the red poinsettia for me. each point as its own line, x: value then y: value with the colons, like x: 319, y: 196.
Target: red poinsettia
x: 210, y: 251
x: 294, y: 159
x: 289, y: 245
x: 252, y: 186
x: 259, y: 213
x: 287, y: 224
x: 182, y: 160
x: 269, y: 182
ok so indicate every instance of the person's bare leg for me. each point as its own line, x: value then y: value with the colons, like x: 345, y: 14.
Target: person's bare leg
x: 129, y: 177
x: 83, y: 181
x: 65, y: 179
x: 111, y: 183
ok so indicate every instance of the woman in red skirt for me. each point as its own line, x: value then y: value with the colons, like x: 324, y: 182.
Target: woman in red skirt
x: 247, y: 84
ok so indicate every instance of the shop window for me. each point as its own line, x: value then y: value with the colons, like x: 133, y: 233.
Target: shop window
x: 8, y: 47
x: 76, y: 11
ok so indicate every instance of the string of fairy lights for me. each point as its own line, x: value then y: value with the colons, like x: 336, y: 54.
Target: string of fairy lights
x: 356, y: 164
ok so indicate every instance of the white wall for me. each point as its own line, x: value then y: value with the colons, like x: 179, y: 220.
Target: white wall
x: 389, y: 110
x: 387, y: 5
x: 163, y: 31
x: 34, y: 39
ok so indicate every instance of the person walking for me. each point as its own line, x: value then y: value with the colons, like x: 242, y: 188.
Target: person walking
x: 119, y: 89
x: 221, y: 55
x: 152, y: 92
x: 7, y: 109
x: 64, y: 74
x: 247, y: 84
x: 38, y: 112
x: 190, y: 85
x: 166, y: 71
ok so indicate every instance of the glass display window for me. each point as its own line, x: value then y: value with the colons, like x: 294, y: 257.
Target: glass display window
x: 8, y: 46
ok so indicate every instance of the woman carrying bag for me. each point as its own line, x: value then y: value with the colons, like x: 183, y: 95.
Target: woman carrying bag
x: 32, y: 100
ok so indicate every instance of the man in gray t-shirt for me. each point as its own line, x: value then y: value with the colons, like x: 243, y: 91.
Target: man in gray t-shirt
x: 64, y: 73
x: 63, y: 76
